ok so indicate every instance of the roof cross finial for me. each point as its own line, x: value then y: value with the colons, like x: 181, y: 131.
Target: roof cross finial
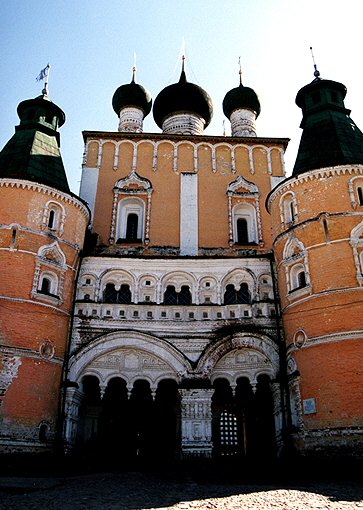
x: 134, y: 68
x: 240, y: 70
x: 316, y: 72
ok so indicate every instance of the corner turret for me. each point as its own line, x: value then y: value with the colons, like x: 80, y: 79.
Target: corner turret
x: 330, y: 137
x: 33, y: 152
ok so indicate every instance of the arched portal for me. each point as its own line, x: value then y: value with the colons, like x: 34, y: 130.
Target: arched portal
x: 242, y: 420
x: 127, y: 405
x: 127, y: 425
x: 246, y: 407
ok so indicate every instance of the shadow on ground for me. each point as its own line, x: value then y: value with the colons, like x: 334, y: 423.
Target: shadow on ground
x: 81, y: 482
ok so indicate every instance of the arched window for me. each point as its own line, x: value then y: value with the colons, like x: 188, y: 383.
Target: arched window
x: 184, y: 296
x: 130, y: 220
x: 289, y: 209
x: 48, y: 284
x: 244, y: 224
x: 235, y: 297
x: 110, y: 294
x: 230, y: 295
x: 360, y: 195
x: 243, y: 294
x: 301, y: 279
x: 297, y: 277
x: 242, y: 231
x: 124, y: 294
x: 131, y: 227
x: 51, y: 218
x: 54, y: 216
x: 171, y: 297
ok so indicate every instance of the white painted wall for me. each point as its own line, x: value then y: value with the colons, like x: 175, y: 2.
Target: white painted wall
x: 88, y: 187
x: 189, y: 214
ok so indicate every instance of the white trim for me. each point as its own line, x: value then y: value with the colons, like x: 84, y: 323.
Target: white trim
x: 189, y: 214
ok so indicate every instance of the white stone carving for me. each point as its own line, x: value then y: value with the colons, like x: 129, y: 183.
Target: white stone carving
x: 243, y: 123
x: 184, y: 124
x: 131, y: 120
x: 196, y: 422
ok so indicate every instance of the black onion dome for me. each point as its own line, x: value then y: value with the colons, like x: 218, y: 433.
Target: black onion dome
x: 132, y: 94
x: 241, y: 98
x: 182, y: 97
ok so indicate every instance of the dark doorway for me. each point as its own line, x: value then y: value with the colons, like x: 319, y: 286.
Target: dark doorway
x: 242, y: 231
x: 131, y: 227
x: 243, y: 424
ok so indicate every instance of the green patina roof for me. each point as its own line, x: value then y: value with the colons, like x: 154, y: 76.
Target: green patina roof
x: 33, y: 152
x: 330, y: 137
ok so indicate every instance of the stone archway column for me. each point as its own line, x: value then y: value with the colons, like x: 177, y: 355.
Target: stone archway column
x: 277, y: 412
x: 73, y: 401
x: 196, y: 422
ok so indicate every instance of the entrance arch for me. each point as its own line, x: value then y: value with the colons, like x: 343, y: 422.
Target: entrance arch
x: 128, y: 397
x: 246, y: 409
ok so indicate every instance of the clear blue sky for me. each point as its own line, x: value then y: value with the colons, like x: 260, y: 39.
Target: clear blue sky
x: 90, y: 45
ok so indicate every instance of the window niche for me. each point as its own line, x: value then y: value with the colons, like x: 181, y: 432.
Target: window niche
x: 244, y: 213
x: 288, y: 210
x: 355, y: 188
x: 295, y: 260
x: 130, y: 221
x: 53, y: 217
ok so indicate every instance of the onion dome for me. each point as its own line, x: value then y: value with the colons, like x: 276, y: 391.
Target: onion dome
x: 132, y: 103
x: 329, y: 137
x: 183, y: 108
x: 241, y: 98
x: 33, y: 153
x: 242, y: 107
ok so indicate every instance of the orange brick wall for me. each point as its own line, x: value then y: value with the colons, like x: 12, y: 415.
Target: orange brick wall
x: 30, y: 381
x: 330, y: 362
x: 165, y: 179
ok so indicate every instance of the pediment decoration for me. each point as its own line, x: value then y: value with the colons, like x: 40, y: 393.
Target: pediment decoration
x: 242, y: 187
x: 243, y: 359
x: 293, y: 248
x: 52, y: 253
x: 130, y: 361
x: 133, y: 183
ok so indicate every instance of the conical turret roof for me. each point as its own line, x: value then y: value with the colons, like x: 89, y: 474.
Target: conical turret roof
x: 330, y: 137
x: 33, y: 152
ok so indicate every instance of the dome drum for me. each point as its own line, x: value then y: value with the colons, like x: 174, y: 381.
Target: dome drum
x: 131, y: 120
x: 243, y: 123
x: 184, y: 124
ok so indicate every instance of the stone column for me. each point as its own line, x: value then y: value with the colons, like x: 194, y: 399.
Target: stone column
x: 196, y: 422
x: 277, y: 412
x: 73, y: 402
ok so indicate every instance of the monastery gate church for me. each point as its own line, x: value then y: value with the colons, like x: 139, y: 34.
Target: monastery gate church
x: 192, y: 301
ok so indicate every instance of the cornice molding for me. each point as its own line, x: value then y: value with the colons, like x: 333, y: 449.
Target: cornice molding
x: 320, y: 173
x: 47, y: 190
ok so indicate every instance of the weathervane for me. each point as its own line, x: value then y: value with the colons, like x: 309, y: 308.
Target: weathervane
x: 44, y: 75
